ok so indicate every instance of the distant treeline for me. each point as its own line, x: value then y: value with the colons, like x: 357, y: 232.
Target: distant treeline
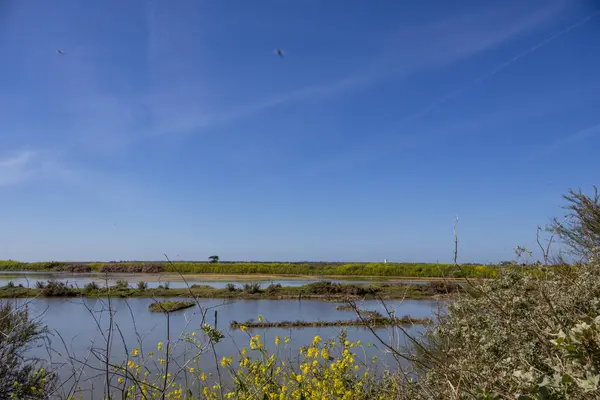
x: 242, y: 268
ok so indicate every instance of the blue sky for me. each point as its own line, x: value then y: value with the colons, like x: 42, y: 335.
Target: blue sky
x: 172, y: 127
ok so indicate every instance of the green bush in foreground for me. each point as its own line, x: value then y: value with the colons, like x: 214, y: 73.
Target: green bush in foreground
x: 21, y: 377
x: 519, y: 337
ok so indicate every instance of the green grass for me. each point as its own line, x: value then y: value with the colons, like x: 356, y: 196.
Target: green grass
x: 413, y: 270
x: 170, y: 306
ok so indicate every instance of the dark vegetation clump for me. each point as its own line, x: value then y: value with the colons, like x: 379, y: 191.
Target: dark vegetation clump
x: 58, y: 289
x: 206, y: 287
x: 141, y: 285
x: 440, y: 287
x: 77, y: 268
x: 231, y: 287
x: 273, y: 288
x: 252, y: 288
x: 10, y: 284
x: 153, y: 268
x: 39, y: 285
x: 122, y: 284
x: 91, y: 286
x: 329, y: 288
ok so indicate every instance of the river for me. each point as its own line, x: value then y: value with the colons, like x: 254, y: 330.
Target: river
x: 79, y: 325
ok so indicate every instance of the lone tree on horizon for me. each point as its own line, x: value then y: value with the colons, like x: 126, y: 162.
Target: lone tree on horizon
x: 214, y: 259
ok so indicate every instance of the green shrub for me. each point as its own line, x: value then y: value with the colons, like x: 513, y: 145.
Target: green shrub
x: 329, y: 288
x: 91, y: 286
x: 252, y: 288
x: 518, y: 335
x: 22, y: 377
x: 61, y: 289
x: 142, y: 285
x: 273, y: 288
x: 122, y: 284
x: 231, y: 287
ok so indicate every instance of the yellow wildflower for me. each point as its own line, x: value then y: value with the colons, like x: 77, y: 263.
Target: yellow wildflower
x: 226, y: 361
x: 130, y: 364
x: 260, y: 318
x: 277, y: 340
x: 243, y: 328
x: 160, y: 346
x: 316, y: 340
x: 135, y: 352
x: 120, y: 380
x: 192, y: 370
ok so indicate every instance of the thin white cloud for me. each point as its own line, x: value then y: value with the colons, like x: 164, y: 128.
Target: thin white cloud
x: 564, y: 143
x: 17, y: 167
x: 413, y: 50
x: 32, y: 166
x: 489, y: 74
x: 96, y: 114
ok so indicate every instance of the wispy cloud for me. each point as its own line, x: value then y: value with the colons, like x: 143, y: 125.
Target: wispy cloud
x: 114, y: 188
x: 502, y: 66
x: 93, y: 109
x: 564, y: 143
x: 412, y: 50
x: 20, y: 166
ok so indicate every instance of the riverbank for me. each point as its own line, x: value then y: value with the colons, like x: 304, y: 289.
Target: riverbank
x: 387, y: 270
x: 324, y: 290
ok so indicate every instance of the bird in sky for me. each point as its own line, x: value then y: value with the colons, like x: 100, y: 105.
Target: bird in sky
x: 59, y: 51
x: 279, y: 52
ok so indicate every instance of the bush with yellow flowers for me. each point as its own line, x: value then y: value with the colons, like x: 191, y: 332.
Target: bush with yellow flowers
x: 323, y: 370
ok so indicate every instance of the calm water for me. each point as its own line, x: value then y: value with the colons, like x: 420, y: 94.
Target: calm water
x: 74, y: 324
x: 28, y: 279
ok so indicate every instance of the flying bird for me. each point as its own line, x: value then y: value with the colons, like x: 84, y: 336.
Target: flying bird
x: 59, y: 51
x: 279, y: 52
